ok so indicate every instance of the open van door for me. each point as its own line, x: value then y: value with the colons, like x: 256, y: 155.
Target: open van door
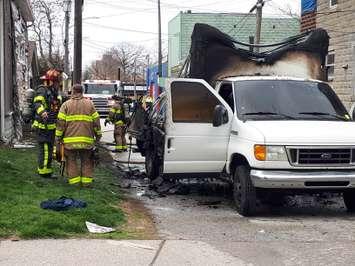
x: 197, y: 129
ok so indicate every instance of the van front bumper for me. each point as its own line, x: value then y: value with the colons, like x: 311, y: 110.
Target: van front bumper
x: 303, y: 179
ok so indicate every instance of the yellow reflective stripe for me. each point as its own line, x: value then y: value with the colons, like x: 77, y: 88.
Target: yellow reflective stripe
x: 119, y: 147
x: 39, y: 98
x: 61, y: 116
x: 79, y: 118
x: 119, y: 123
x: 86, y: 180
x: 97, y: 131
x: 71, y: 118
x: 117, y: 111
x: 44, y: 171
x: 78, y: 139
x: 40, y: 109
x: 74, y: 180
x: 58, y: 133
x: 37, y: 124
x: 95, y: 115
x: 45, y: 163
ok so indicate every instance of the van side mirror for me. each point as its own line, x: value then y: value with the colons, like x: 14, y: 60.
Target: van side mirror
x: 220, y: 116
x: 352, y: 111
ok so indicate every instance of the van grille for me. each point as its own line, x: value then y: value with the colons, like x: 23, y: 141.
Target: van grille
x: 321, y: 156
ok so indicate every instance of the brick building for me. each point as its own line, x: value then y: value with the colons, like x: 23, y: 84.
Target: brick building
x: 338, y: 18
x: 238, y: 25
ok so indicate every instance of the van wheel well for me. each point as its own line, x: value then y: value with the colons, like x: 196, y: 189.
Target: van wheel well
x: 237, y: 159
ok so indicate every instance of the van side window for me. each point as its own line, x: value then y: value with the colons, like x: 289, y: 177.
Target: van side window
x: 226, y: 92
x: 192, y: 102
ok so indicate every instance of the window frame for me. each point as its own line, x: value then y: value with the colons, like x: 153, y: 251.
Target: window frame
x: 222, y: 83
x: 327, y: 65
x: 218, y: 102
x: 333, y: 5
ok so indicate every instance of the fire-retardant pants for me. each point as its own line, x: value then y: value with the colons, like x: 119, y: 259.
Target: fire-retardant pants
x: 120, y: 138
x: 83, y: 173
x: 45, y: 140
x: 45, y: 155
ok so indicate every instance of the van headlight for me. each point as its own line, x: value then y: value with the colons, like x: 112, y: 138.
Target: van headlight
x: 270, y: 153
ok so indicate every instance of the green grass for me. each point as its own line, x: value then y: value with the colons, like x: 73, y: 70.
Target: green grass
x: 22, y: 191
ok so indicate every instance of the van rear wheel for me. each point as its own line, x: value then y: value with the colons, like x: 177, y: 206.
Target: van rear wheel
x: 244, y: 193
x: 349, y: 200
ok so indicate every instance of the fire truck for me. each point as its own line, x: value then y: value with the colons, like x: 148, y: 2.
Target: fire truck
x: 101, y: 92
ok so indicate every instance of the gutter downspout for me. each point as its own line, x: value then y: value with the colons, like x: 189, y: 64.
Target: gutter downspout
x: 2, y: 73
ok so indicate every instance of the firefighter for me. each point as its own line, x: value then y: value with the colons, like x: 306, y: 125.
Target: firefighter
x: 78, y: 128
x: 46, y: 104
x: 117, y: 117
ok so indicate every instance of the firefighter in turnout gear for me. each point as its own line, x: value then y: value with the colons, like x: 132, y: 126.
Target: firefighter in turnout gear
x: 117, y: 117
x: 78, y: 128
x: 46, y: 106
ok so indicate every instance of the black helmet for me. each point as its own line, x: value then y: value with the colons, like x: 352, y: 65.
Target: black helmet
x: 116, y: 97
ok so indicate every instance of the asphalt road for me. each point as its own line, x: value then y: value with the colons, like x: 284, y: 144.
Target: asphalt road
x: 304, y: 231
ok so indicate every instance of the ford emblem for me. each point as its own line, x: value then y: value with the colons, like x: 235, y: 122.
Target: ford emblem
x: 326, y: 156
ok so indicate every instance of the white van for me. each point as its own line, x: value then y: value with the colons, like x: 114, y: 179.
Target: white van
x: 264, y: 133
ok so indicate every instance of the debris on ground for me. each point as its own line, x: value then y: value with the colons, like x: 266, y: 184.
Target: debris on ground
x: 24, y: 146
x: 98, y: 229
x: 209, y: 203
x: 62, y: 204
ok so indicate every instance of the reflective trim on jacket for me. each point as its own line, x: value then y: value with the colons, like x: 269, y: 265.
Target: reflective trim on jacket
x: 78, y: 123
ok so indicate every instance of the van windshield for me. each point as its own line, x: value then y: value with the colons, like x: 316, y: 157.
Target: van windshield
x: 287, y: 100
x: 106, y: 89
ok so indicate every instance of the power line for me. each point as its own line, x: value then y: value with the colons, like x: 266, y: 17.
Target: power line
x: 121, y: 29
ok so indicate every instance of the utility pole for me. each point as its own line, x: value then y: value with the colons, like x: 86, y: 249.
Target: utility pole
x: 78, y: 34
x: 66, y: 43
x: 148, y: 70
x: 259, y: 13
x: 135, y: 79
x: 160, y: 58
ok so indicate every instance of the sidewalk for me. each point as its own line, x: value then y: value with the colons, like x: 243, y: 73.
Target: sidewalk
x: 110, y: 252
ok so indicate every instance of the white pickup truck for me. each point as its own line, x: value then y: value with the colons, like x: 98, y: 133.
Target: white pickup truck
x: 264, y: 133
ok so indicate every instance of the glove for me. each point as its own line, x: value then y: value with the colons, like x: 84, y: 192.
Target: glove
x: 106, y: 122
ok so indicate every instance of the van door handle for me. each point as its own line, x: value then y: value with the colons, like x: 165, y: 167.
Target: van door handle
x: 169, y: 145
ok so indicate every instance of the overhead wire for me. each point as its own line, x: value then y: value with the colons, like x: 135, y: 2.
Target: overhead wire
x: 121, y: 29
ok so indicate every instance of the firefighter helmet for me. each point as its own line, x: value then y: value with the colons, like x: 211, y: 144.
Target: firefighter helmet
x: 51, y: 75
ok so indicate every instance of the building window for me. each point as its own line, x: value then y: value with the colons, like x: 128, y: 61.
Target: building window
x: 333, y: 3
x: 330, y: 64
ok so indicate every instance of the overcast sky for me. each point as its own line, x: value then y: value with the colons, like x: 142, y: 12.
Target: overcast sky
x: 107, y: 22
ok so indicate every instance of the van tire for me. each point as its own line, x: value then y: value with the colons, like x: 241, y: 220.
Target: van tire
x: 244, y: 192
x: 152, y: 164
x: 349, y: 200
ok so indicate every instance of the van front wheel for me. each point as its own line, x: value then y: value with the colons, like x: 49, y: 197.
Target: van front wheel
x: 349, y: 200
x: 244, y: 193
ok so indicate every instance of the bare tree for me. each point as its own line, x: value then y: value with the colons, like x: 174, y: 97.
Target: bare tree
x: 48, y: 14
x: 131, y: 59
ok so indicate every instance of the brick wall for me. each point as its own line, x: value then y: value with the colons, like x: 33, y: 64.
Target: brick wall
x: 308, y: 21
x: 339, y: 21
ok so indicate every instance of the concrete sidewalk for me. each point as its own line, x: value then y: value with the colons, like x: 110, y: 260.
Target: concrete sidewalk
x: 111, y: 252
